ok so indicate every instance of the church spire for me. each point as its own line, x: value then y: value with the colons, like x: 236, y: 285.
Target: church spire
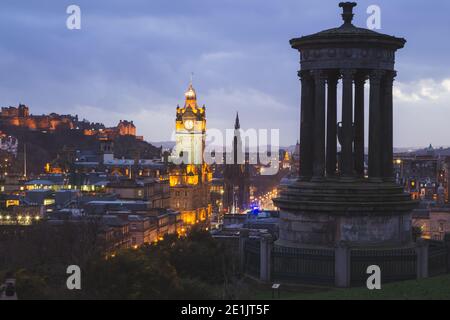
x: 237, y: 125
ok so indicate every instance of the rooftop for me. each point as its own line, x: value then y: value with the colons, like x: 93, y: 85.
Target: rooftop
x: 347, y: 32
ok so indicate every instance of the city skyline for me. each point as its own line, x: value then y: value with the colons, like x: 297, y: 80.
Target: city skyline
x: 243, y: 66
x: 228, y: 151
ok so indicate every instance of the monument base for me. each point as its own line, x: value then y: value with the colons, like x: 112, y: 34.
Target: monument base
x: 360, y: 213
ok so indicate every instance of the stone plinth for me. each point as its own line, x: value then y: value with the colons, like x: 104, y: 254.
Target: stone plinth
x: 358, y: 213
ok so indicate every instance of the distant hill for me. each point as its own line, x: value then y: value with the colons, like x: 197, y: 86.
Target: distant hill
x: 43, y: 147
x: 430, y: 150
x: 166, y: 145
x: 130, y: 147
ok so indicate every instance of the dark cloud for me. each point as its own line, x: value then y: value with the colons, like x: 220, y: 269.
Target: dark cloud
x: 133, y: 59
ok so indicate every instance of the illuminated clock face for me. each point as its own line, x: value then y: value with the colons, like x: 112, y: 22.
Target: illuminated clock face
x: 189, y: 124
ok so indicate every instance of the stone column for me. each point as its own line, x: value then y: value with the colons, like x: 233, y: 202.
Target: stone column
x: 375, y: 137
x: 342, y: 266
x: 447, y: 246
x: 265, y: 258
x: 422, y: 259
x: 306, y: 126
x: 387, y: 131
x: 331, y: 155
x: 347, y: 122
x: 243, y: 236
x: 359, y: 124
x: 319, y: 125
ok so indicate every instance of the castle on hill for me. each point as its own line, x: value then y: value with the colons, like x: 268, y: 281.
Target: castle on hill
x: 20, y: 117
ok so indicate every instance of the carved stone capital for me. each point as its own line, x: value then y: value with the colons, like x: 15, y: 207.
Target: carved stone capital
x: 361, y: 78
x: 376, y: 76
x: 320, y: 76
x: 333, y: 78
x: 348, y: 74
x: 390, y: 77
x: 304, y: 75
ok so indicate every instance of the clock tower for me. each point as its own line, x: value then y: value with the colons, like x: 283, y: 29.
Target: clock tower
x: 190, y: 129
x: 190, y: 180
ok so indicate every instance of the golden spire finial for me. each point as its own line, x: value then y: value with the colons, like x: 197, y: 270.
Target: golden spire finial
x: 190, y: 93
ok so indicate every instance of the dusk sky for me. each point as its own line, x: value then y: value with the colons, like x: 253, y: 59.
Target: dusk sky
x: 133, y: 60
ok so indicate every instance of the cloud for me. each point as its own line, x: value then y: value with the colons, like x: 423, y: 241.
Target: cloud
x: 446, y: 84
x: 132, y: 60
x: 220, y: 56
x: 423, y: 90
x: 148, y: 122
x: 402, y: 96
x: 416, y: 91
x: 244, y: 98
x: 421, y: 112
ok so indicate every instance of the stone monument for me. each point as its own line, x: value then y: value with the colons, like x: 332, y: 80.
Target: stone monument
x: 334, y: 201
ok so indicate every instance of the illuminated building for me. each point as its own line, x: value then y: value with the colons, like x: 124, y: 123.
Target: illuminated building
x: 142, y: 230
x: 433, y: 223
x: 190, y: 129
x: 124, y: 128
x: 9, y: 144
x: 285, y: 159
x: 21, y: 215
x: 155, y: 191
x: 20, y: 117
x: 420, y: 174
x: 190, y: 180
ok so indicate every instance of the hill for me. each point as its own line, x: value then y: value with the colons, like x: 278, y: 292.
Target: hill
x: 44, y: 146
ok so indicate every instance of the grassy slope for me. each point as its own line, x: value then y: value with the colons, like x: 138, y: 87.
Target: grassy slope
x: 430, y: 289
